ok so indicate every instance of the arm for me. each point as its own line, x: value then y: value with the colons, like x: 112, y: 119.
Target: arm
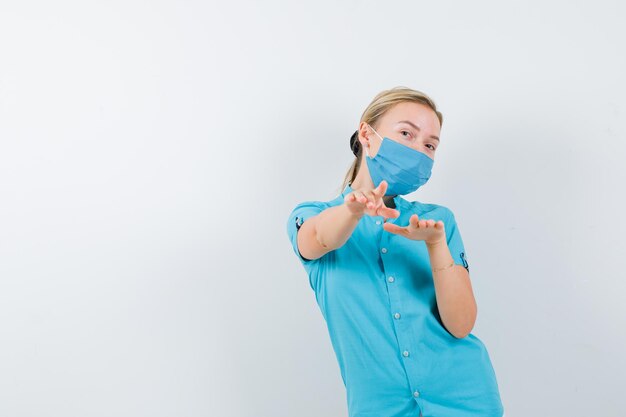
x: 453, y: 290
x: 326, y: 231
x: 331, y: 229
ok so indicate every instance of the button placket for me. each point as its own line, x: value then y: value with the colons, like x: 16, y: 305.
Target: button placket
x: 394, y: 288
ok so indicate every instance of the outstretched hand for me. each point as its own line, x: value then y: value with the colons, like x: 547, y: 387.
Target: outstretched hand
x: 370, y: 202
x: 430, y: 231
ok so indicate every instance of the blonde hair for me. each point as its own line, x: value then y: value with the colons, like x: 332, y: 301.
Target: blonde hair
x: 384, y: 101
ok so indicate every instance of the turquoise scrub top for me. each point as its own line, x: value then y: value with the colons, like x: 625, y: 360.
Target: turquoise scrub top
x: 377, y: 296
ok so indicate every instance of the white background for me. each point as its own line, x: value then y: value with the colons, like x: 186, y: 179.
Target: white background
x: 150, y: 153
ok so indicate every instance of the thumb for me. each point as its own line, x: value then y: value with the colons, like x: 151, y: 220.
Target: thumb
x: 382, y: 187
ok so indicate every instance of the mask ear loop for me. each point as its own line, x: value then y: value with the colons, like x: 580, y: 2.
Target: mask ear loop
x: 366, y: 148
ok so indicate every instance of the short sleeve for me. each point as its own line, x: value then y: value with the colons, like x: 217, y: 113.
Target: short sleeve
x: 297, y: 217
x: 455, y: 242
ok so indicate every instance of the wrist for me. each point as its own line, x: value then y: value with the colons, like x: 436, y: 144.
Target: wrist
x: 436, y: 243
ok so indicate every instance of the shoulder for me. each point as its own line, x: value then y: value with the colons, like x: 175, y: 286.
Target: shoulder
x: 308, y: 208
x: 317, y: 204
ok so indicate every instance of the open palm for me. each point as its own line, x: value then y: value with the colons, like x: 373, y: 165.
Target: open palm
x: 430, y: 231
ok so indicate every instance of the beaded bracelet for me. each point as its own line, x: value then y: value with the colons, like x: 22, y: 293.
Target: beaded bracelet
x: 445, y: 267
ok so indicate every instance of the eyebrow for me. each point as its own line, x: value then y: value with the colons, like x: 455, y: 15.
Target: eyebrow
x: 418, y: 128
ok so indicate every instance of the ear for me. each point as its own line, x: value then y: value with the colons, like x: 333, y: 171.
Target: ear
x: 364, y: 132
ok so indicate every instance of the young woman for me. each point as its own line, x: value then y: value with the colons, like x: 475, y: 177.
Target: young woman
x: 391, y: 276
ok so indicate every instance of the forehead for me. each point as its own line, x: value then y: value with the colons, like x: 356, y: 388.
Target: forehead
x: 418, y: 113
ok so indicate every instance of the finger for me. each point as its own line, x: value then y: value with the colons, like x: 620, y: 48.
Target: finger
x: 387, y: 212
x: 381, y: 189
x: 356, y: 197
x: 371, y: 195
x: 394, y: 228
x: 413, y: 221
x: 371, y: 199
x: 377, y: 205
x: 360, y: 197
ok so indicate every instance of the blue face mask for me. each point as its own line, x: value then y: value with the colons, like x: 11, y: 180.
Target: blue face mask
x: 405, y: 169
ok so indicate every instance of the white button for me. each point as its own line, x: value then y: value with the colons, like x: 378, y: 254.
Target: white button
x: 391, y: 279
x: 384, y: 250
x: 397, y: 315
x: 377, y: 221
x: 416, y: 394
x: 405, y: 353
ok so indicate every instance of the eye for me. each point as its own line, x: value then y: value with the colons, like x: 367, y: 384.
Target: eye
x: 407, y: 133
x: 433, y: 147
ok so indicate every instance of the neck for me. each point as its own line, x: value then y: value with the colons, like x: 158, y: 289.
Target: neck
x: 364, y: 181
